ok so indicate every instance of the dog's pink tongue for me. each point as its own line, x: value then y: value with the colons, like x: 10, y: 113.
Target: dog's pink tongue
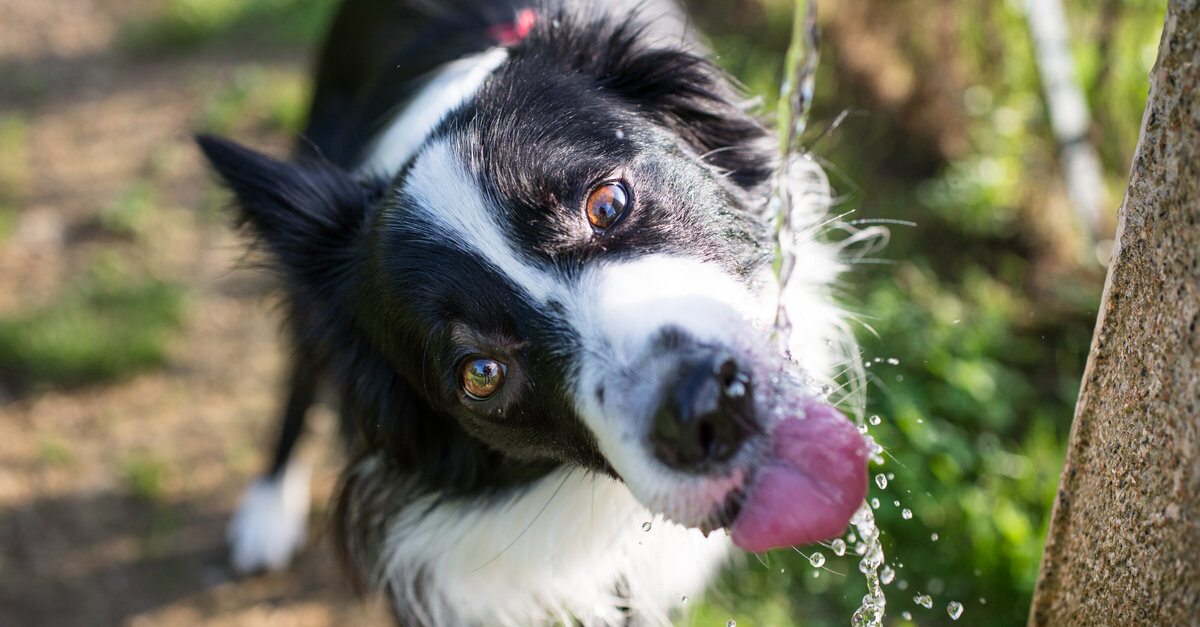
x: 812, y: 485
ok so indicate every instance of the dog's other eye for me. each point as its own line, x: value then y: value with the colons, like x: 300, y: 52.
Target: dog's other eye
x: 481, y: 378
x: 606, y: 204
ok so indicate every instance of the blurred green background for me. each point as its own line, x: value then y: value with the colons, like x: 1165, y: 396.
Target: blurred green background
x: 975, y: 323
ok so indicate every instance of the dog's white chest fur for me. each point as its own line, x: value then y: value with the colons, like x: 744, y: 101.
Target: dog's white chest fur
x: 574, y: 544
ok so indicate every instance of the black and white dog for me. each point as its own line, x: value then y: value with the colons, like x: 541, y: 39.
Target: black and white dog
x: 529, y: 246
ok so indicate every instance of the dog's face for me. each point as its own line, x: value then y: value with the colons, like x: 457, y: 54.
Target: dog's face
x: 572, y: 269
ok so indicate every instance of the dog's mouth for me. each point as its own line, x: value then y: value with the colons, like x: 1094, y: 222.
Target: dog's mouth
x: 799, y: 481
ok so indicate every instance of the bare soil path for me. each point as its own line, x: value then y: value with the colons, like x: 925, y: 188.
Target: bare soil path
x: 114, y: 497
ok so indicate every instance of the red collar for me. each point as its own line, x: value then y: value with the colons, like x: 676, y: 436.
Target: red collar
x: 511, y: 33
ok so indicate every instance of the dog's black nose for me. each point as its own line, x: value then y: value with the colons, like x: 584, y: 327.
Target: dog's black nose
x: 705, y: 415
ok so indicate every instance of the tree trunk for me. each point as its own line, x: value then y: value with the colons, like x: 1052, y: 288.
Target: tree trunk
x: 1124, y: 542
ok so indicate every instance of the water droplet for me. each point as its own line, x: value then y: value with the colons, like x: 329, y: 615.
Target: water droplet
x: 920, y: 420
x: 879, y: 360
x: 816, y: 559
x: 731, y: 623
x: 782, y: 570
x: 816, y: 573
x: 839, y: 547
x: 982, y: 601
x: 905, y: 615
x: 862, y: 429
x: 886, y: 575
x: 902, y: 584
x: 875, y: 419
x: 954, y: 609
x: 893, y: 361
x: 896, y: 503
x: 874, y: 503
x: 906, y: 514
x: 620, y: 134
x: 891, y: 475
x: 881, y: 480
x: 860, y: 548
x: 646, y: 526
x: 826, y: 391
x: 683, y: 598
x: 850, y: 537
x: 924, y: 600
x: 933, y: 536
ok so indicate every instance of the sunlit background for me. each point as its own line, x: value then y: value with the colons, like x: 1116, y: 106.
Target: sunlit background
x: 140, y: 363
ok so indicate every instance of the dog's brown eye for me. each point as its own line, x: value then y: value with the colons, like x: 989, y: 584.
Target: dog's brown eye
x: 482, y: 377
x: 606, y: 204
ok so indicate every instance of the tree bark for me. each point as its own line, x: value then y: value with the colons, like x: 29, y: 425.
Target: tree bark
x: 1124, y: 543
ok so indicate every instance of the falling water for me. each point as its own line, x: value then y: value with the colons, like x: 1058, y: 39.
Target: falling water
x: 795, y: 102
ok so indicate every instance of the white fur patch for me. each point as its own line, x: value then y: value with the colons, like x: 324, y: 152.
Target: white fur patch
x: 268, y: 527
x: 554, y: 551
x: 458, y: 211
x: 448, y: 87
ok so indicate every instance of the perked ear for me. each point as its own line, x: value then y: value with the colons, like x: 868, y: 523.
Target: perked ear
x: 308, y: 214
x: 698, y: 101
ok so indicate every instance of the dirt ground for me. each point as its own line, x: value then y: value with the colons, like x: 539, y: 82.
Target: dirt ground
x: 114, y: 497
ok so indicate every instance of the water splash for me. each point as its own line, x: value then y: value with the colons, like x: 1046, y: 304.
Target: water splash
x: 839, y: 547
x: 870, y: 613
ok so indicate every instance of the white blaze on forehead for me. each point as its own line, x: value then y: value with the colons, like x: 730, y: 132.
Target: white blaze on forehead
x: 447, y: 88
x: 633, y: 301
x: 456, y: 210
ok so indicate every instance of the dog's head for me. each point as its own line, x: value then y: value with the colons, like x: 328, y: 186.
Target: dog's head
x: 573, y: 267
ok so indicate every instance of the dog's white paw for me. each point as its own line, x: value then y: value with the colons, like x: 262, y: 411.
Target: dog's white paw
x: 268, y: 527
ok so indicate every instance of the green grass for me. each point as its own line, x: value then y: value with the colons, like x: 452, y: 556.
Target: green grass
x: 184, y: 25
x: 126, y: 214
x: 103, y: 327
x: 144, y: 475
x: 274, y: 99
x: 14, y: 146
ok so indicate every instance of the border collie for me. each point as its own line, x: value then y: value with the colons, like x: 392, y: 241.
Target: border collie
x: 529, y: 246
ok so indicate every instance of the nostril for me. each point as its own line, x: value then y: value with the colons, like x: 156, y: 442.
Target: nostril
x: 707, y: 437
x: 727, y: 372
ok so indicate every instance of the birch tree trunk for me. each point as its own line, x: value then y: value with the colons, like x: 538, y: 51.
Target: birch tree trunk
x: 1124, y: 540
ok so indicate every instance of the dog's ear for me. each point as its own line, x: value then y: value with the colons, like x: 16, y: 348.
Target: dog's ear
x: 307, y: 214
x: 697, y: 100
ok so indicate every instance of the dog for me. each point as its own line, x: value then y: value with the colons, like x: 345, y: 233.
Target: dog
x: 529, y: 246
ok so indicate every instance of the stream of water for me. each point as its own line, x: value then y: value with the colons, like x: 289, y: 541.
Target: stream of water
x: 795, y: 102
